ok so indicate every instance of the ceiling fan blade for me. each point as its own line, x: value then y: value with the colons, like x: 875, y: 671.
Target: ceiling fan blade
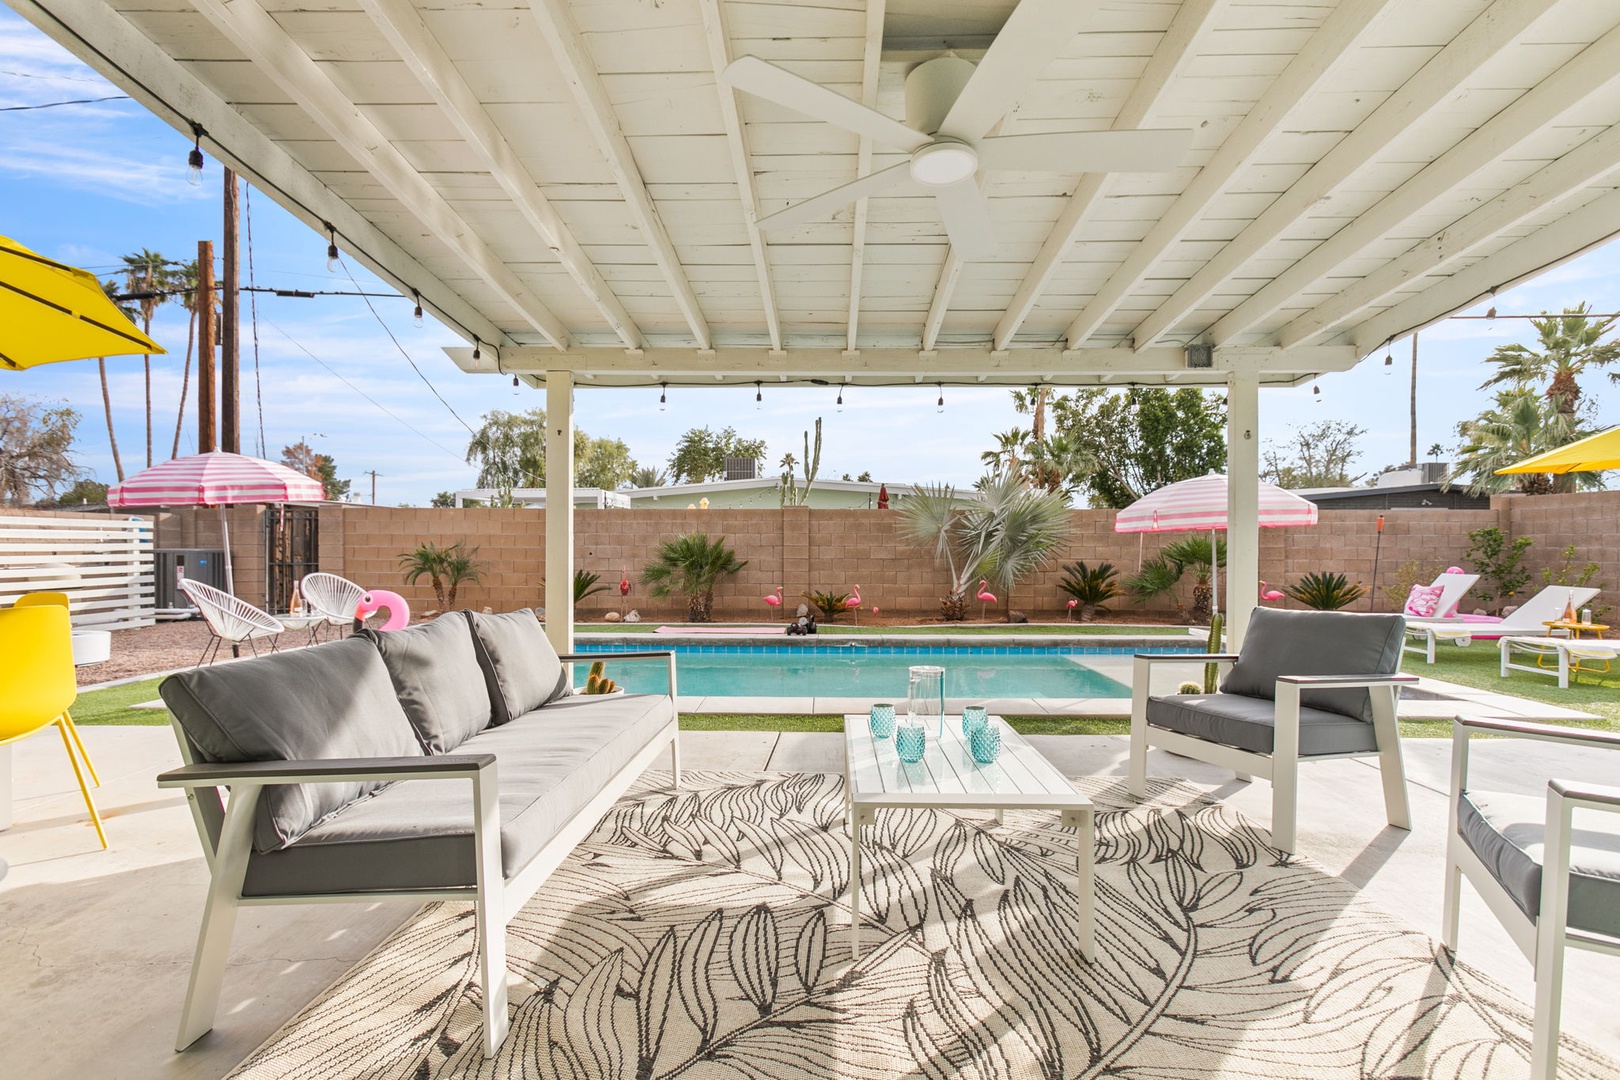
x: 1033, y: 36
x: 821, y: 207
x: 1087, y: 151
x: 967, y: 219
x: 766, y: 80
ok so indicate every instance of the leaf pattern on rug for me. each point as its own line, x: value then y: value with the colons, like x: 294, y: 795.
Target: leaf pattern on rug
x: 704, y: 934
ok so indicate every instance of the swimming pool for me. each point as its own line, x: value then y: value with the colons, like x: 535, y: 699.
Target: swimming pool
x: 871, y: 671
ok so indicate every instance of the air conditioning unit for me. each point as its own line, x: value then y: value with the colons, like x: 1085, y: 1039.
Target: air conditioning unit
x: 1435, y: 472
x: 206, y: 565
x: 741, y: 468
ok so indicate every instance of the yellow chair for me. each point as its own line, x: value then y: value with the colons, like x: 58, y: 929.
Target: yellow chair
x: 60, y: 599
x: 37, y: 684
x: 36, y: 599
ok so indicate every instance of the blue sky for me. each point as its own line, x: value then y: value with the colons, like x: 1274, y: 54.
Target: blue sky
x: 88, y: 183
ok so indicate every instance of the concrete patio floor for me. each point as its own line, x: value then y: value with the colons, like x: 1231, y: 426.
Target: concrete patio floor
x: 95, y: 946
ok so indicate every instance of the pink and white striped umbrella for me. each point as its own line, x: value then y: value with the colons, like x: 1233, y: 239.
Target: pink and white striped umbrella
x: 215, y: 479
x: 1200, y: 503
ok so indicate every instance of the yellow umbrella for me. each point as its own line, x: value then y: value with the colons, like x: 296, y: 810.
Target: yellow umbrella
x: 51, y: 312
x: 1591, y: 454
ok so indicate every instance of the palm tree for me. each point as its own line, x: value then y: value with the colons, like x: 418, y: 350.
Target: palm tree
x: 1164, y: 572
x: 646, y: 476
x: 146, y: 272
x: 1059, y: 465
x: 111, y: 289
x: 1008, y: 454
x: 691, y: 565
x: 1523, y: 423
x: 185, y: 278
x: 446, y: 568
x: 1569, y: 345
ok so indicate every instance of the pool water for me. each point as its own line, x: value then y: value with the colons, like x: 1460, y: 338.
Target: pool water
x: 876, y: 672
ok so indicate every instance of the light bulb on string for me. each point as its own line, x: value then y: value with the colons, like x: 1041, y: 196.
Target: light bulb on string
x: 1389, y: 364
x: 333, y: 265
x: 416, y: 315
x: 478, y: 349
x: 516, y: 389
x: 194, y: 160
x: 663, y: 397
x: 1316, y: 390
x: 840, y: 399
x: 939, y: 406
x: 759, y: 397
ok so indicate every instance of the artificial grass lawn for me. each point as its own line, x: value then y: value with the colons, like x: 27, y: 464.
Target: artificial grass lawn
x: 836, y: 629
x: 112, y: 705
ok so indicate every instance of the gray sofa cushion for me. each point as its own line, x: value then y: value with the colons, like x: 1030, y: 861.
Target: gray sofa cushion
x: 1248, y: 723
x: 520, y: 666
x: 330, y: 701
x: 418, y: 833
x: 436, y: 675
x: 1316, y: 643
x: 1507, y: 833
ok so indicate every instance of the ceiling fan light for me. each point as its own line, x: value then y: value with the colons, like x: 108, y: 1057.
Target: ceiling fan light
x: 941, y: 164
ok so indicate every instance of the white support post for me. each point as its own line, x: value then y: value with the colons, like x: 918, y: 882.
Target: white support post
x: 560, y: 510
x: 1242, y: 506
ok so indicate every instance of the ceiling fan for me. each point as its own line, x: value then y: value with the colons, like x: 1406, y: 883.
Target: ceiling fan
x: 950, y: 104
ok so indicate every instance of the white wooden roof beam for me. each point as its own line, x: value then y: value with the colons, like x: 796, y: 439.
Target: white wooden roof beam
x: 871, y: 55
x: 968, y: 366
x: 1593, y: 225
x: 1325, y: 48
x: 98, y: 34
x: 1593, y: 159
x: 1174, y: 50
x: 579, y: 70
x: 1492, y: 31
x: 719, y: 41
x: 276, y: 55
x: 1589, y: 71
x: 944, y: 288
x: 402, y: 25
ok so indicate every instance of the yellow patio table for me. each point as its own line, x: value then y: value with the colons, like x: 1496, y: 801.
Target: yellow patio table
x: 51, y: 312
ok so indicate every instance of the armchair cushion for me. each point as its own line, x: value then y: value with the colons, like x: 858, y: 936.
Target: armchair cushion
x: 331, y: 701
x: 436, y: 674
x: 1316, y: 643
x: 520, y: 666
x: 1249, y: 723
x: 1506, y: 832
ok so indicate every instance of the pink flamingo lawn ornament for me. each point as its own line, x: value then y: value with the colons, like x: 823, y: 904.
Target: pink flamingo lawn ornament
x: 854, y: 604
x: 985, y: 597
x: 1070, y: 605
x: 624, y: 582
x: 399, y: 612
x: 774, y: 599
x: 1270, y: 595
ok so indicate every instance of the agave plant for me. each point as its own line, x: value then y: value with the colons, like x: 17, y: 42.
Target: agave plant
x: 446, y: 568
x: 1325, y: 592
x: 691, y: 565
x: 830, y: 604
x: 1091, y: 586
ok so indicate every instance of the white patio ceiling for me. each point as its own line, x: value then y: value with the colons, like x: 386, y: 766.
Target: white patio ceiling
x: 568, y: 182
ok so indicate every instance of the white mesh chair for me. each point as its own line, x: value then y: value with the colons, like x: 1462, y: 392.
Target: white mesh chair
x: 230, y: 619
x: 331, y: 597
x: 1551, y: 879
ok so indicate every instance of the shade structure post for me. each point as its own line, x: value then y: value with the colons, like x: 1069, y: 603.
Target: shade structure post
x: 560, y: 510
x: 1242, y: 503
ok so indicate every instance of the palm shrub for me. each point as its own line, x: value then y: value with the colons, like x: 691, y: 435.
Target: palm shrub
x: 830, y: 604
x: 446, y: 568
x: 690, y: 565
x: 1091, y: 586
x: 1162, y: 573
x: 1325, y: 592
x: 585, y: 584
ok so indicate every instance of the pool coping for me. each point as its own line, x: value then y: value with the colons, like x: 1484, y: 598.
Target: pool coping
x: 1193, y: 639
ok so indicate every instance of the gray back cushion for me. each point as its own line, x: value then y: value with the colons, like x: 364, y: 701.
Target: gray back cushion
x: 437, y: 677
x: 520, y: 665
x: 1316, y: 643
x: 330, y: 701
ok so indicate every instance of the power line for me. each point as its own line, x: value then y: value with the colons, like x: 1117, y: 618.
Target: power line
x: 59, y: 104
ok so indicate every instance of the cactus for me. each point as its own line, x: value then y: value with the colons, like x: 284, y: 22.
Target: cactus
x: 1212, y: 671
x: 597, y: 683
x: 792, y: 494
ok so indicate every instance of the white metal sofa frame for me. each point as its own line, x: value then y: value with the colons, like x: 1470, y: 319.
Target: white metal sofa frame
x: 1281, y: 766
x: 230, y: 618
x: 1541, y: 939
x: 226, y: 832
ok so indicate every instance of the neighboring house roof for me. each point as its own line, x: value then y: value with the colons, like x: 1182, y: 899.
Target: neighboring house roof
x: 1397, y: 497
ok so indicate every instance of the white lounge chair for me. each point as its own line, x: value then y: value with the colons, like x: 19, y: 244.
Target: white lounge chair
x: 230, y: 619
x: 1422, y: 638
x: 1569, y: 651
x: 1529, y: 619
x: 332, y: 597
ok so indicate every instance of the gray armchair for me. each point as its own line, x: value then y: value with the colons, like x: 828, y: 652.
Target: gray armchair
x: 1307, y: 685
x: 1548, y: 883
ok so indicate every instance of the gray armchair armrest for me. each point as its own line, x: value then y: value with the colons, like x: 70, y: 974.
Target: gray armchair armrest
x: 442, y: 767
x: 1543, y: 732
x: 649, y: 654
x: 1310, y: 682
x: 1186, y: 658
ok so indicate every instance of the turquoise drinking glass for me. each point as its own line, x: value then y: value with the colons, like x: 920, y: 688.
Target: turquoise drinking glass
x: 882, y: 719
x: 985, y: 743
x: 973, y: 716
x: 910, y: 740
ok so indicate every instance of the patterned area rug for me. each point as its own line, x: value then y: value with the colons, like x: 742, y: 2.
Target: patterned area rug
x: 705, y: 934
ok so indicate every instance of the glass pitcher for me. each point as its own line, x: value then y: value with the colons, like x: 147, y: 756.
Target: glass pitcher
x: 925, y: 696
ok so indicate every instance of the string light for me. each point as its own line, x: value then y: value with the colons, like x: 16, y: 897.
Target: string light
x: 840, y: 399
x: 939, y: 406
x: 759, y: 397
x: 1316, y: 389
x: 515, y: 387
x: 194, y: 160
x: 1389, y: 363
x: 663, y: 396
x: 332, y: 263
x: 478, y: 348
x: 416, y: 316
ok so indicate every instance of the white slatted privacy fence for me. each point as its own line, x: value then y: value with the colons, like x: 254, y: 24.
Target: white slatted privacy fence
x: 104, y: 564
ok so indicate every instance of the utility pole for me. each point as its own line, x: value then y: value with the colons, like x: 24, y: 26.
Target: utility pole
x: 1414, y: 400
x: 230, y: 399
x: 205, y: 346
x: 373, y: 474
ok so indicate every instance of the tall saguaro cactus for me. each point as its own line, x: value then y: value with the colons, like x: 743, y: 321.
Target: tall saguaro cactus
x: 792, y: 494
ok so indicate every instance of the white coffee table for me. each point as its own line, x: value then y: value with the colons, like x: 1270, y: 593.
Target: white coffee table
x: 948, y: 778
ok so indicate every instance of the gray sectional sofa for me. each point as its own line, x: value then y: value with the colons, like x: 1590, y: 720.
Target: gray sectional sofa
x: 336, y: 758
